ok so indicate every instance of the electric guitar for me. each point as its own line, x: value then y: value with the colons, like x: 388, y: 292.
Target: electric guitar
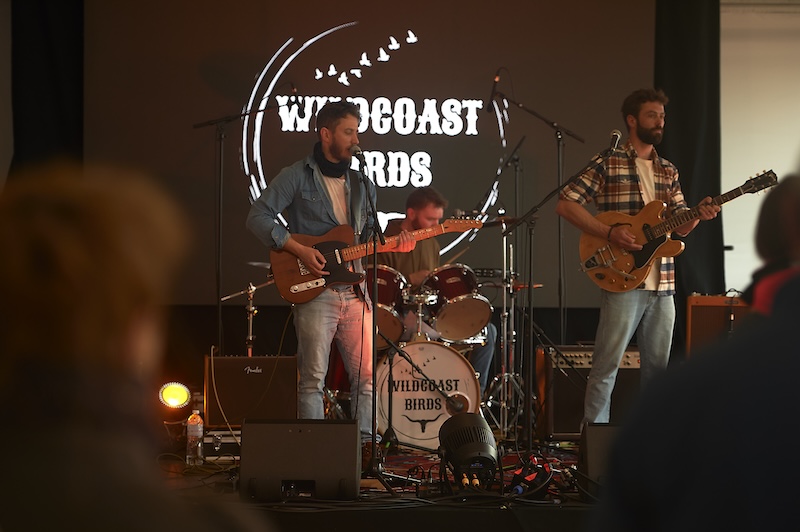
x: 619, y: 270
x: 297, y: 284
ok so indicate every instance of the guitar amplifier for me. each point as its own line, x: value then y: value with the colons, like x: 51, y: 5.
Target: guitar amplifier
x: 710, y: 318
x: 238, y: 388
x: 561, y: 385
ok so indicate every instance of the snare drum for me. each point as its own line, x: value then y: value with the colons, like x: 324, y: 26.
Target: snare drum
x: 389, y: 303
x: 418, y: 408
x: 460, y: 311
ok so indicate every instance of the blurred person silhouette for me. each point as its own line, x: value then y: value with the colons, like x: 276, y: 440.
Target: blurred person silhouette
x: 702, y: 449
x: 773, y: 245
x: 88, y: 257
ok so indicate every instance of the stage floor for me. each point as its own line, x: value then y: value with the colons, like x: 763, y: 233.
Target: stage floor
x: 407, y: 495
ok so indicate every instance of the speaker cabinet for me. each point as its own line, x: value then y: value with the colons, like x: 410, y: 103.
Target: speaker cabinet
x: 239, y: 388
x: 593, y: 454
x: 300, y: 460
x: 561, y: 386
x: 710, y: 318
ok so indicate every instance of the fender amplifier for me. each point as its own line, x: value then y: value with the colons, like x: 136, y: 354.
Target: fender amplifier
x: 237, y: 388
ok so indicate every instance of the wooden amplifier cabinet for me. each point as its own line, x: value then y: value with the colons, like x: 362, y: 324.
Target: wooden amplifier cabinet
x: 709, y: 318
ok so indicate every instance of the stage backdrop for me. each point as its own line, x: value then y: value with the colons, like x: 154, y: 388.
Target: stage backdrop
x: 422, y: 73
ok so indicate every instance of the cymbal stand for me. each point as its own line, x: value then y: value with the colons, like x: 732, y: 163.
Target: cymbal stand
x: 508, y: 383
x: 251, y: 309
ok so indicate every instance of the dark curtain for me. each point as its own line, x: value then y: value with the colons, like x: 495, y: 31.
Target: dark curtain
x: 687, y: 69
x: 47, y: 81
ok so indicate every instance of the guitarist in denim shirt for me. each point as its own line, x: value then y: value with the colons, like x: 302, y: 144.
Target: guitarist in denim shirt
x: 316, y: 195
x: 625, y: 180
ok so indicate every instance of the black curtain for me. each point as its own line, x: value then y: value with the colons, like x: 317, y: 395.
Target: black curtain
x: 47, y: 81
x: 687, y: 69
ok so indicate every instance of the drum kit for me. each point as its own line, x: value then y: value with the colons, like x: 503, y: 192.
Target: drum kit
x: 431, y: 380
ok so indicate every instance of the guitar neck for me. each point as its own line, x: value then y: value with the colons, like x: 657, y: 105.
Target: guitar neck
x: 672, y: 223
x: 362, y: 250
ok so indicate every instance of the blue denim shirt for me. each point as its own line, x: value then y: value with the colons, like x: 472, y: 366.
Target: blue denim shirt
x: 299, y: 193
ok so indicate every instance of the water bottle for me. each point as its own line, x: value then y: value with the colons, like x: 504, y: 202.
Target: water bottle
x: 194, y: 439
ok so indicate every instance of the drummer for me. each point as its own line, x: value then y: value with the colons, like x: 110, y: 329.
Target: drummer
x: 424, y: 209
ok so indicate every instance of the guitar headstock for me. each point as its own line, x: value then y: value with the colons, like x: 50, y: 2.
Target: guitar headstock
x: 760, y: 182
x: 452, y: 225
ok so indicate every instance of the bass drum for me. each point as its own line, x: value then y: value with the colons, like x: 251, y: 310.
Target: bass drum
x: 388, y: 304
x: 418, y: 408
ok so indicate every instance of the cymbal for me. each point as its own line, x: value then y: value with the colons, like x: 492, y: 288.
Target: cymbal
x: 266, y: 265
x: 500, y: 220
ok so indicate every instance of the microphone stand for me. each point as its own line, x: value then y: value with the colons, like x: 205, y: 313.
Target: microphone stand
x: 221, y: 124
x: 559, y: 137
x: 529, y: 363
x: 375, y: 467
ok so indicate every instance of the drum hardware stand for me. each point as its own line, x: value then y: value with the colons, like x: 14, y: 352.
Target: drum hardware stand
x: 507, y: 381
x: 251, y: 310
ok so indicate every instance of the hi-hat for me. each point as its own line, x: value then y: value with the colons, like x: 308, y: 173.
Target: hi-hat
x: 266, y: 265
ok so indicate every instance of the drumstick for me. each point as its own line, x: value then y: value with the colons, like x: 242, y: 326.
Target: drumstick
x: 452, y: 260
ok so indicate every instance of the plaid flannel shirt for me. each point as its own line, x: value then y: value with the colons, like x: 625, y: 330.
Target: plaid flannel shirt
x: 614, y: 185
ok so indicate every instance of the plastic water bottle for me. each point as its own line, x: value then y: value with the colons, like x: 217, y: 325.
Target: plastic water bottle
x: 194, y: 439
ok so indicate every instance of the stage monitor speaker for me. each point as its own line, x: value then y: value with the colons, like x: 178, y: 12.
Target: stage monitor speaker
x: 300, y: 460
x: 561, y: 386
x: 593, y: 454
x: 239, y: 388
x: 711, y: 318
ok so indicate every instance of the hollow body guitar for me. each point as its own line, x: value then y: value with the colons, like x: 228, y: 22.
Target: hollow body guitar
x: 297, y: 284
x: 617, y: 270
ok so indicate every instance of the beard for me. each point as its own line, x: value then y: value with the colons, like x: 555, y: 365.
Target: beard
x: 650, y: 136
x: 340, y: 151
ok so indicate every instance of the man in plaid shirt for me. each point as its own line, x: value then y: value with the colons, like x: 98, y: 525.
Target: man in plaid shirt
x: 625, y: 180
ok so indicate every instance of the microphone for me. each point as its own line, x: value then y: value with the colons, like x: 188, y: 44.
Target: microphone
x: 494, y: 91
x: 616, y: 136
x: 356, y: 152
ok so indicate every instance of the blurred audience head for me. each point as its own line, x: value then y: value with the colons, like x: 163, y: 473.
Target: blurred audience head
x: 778, y: 225
x: 88, y: 256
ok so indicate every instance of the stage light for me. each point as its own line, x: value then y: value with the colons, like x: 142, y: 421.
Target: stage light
x: 469, y: 449
x: 174, y: 395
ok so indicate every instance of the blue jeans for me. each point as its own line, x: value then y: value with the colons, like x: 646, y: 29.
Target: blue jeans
x: 481, y: 357
x: 620, y: 316
x: 342, y: 316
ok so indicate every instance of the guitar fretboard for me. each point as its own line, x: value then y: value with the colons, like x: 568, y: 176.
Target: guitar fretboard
x: 760, y: 182
x: 362, y: 250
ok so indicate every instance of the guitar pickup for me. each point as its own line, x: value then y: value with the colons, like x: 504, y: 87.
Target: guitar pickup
x: 308, y: 285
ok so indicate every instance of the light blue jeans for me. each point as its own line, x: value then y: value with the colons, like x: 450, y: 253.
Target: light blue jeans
x: 344, y: 317
x: 620, y: 316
